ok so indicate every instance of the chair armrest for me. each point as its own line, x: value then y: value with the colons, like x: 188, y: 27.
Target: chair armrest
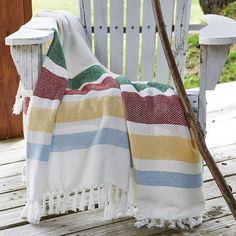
x: 37, y: 31
x: 220, y: 30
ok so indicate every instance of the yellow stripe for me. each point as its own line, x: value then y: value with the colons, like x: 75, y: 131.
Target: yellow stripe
x: 42, y: 119
x: 88, y: 109
x: 164, y: 148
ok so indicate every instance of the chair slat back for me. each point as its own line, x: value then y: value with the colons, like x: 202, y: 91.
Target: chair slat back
x: 116, y: 36
x: 132, y: 39
x: 162, y: 71
x: 181, y: 33
x: 100, y: 30
x: 124, y: 38
x: 148, y: 42
x: 85, y: 11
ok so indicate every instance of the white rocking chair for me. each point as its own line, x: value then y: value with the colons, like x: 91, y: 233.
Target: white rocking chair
x: 133, y: 48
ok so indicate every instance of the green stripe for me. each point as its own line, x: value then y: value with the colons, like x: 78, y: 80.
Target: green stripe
x: 55, y: 52
x: 121, y: 80
x: 91, y: 74
x: 159, y: 86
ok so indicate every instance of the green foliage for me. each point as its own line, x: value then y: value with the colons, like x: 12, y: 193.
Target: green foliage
x: 230, y: 10
x: 229, y: 72
x: 192, y: 65
x: 68, y: 5
x: 196, y: 13
x: 193, y: 61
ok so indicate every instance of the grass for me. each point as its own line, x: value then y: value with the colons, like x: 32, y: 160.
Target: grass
x: 70, y: 5
x: 196, y: 13
x: 192, y: 65
x: 192, y: 68
x: 230, y: 10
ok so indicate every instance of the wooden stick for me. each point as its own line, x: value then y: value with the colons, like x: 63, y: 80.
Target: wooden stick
x: 191, y: 119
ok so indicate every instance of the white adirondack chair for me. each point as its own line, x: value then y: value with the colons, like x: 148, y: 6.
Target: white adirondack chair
x: 134, y: 46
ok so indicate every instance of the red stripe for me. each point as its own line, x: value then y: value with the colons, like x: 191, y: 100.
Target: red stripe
x: 49, y: 85
x: 157, y: 109
x: 107, y: 83
x: 26, y: 102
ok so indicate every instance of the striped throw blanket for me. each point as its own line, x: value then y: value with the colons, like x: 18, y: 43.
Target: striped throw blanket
x: 95, y: 139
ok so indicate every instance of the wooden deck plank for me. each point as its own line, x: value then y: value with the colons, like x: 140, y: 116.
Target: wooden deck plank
x: 227, y: 168
x: 215, y: 208
x: 14, y: 191
x: 91, y: 223
x: 10, y: 184
x: 11, y: 169
x: 214, y: 227
x: 222, y: 130
x: 12, y: 199
x: 225, y: 226
x: 228, y: 151
x: 211, y: 189
x: 13, y: 155
x: 11, y: 144
x: 11, y: 218
x: 17, y: 197
x: 63, y: 225
x: 221, y: 115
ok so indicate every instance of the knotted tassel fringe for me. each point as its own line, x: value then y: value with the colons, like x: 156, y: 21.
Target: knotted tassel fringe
x: 180, y: 224
x: 114, y: 201
x: 112, y: 198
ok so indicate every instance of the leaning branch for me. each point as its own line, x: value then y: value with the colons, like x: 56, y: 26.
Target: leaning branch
x: 191, y: 119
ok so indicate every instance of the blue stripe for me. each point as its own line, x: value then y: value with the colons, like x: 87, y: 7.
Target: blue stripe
x: 169, y: 179
x: 38, y: 151
x: 69, y: 142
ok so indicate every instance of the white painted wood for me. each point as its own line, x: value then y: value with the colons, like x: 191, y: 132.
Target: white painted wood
x: 116, y: 36
x: 100, y: 30
x: 220, y: 30
x: 216, y: 58
x: 212, y: 62
x: 28, y: 61
x: 36, y: 31
x: 221, y: 118
x: 181, y: 33
x: 132, y: 39
x: 202, y: 94
x: 37, y: 61
x: 41, y: 22
x: 29, y: 36
x: 11, y: 156
x: 148, y: 42
x: 11, y: 144
x: 193, y: 98
x: 85, y: 16
x: 10, y: 184
x: 196, y: 27
x: 162, y: 69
